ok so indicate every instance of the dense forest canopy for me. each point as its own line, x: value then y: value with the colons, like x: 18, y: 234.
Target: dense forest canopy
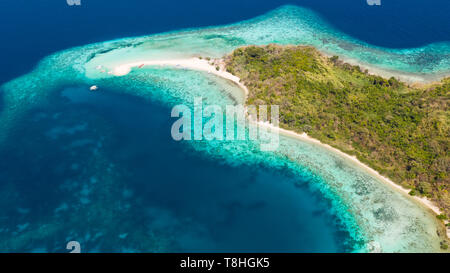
x: 399, y: 130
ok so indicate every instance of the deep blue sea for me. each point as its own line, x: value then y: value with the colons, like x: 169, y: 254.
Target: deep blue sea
x: 176, y: 199
x: 31, y: 30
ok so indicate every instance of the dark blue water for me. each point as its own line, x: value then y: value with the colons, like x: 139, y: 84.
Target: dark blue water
x: 31, y: 30
x: 102, y: 169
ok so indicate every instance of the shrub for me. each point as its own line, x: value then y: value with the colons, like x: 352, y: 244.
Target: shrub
x: 400, y: 131
x: 334, y: 59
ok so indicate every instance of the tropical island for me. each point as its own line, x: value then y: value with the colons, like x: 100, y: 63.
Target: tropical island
x: 400, y: 130
x: 395, y: 130
x: 345, y: 132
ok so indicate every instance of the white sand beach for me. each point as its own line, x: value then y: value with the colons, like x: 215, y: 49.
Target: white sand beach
x: 414, y: 79
x: 191, y: 63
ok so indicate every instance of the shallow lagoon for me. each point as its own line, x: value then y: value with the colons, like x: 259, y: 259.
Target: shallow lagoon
x: 373, y: 215
x: 102, y: 169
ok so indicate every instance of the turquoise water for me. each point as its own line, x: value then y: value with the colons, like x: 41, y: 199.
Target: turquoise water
x: 100, y: 168
x: 286, y: 25
x: 370, y: 215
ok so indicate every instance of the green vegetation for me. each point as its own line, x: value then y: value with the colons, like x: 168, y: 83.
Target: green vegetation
x: 399, y: 130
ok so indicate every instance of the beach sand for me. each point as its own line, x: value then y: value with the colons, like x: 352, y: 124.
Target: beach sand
x: 191, y: 63
x: 413, y: 79
x: 211, y: 67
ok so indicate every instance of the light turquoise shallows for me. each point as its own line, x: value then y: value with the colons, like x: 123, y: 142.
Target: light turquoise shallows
x: 376, y: 216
